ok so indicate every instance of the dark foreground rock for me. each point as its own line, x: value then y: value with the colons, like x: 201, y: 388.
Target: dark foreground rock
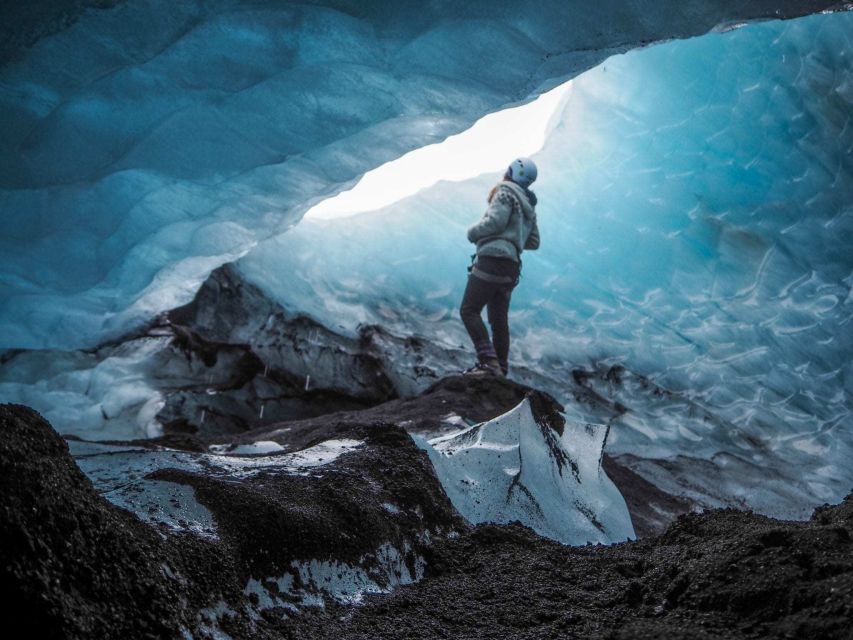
x: 723, y: 574
x: 445, y: 405
x: 76, y: 566
x: 271, y: 547
x: 73, y: 566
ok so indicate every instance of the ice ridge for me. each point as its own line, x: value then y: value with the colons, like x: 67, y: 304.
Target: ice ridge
x: 517, y: 468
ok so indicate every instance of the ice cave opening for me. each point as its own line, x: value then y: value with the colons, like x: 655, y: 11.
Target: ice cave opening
x: 695, y: 209
x: 233, y: 397
x: 483, y: 148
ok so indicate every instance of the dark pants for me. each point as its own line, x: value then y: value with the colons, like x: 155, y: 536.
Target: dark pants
x: 495, y: 296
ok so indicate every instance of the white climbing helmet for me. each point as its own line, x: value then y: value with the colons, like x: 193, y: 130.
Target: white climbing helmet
x: 523, y: 171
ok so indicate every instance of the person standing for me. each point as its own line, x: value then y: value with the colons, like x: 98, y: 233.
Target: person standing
x: 507, y: 228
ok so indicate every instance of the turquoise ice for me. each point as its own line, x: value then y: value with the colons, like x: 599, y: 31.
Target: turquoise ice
x: 696, y: 211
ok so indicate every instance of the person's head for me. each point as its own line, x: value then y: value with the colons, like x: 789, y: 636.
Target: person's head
x: 521, y: 171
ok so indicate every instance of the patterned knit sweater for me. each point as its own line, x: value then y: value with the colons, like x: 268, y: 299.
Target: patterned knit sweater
x: 508, y: 226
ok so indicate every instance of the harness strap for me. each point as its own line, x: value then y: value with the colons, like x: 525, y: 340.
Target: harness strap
x: 489, y: 277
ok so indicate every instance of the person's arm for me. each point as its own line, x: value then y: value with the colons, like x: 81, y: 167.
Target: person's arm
x: 532, y: 242
x: 494, y: 220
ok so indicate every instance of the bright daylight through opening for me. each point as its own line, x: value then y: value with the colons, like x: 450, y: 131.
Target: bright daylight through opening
x: 489, y: 145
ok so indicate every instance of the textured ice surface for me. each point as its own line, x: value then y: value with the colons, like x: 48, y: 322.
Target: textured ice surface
x: 696, y: 210
x: 147, y: 143
x: 512, y: 468
x: 91, y: 395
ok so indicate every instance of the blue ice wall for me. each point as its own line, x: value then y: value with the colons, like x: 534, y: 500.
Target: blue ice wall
x: 152, y: 141
x: 696, y: 212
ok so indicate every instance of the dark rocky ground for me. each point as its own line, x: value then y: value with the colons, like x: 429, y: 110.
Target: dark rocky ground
x: 75, y: 566
x: 722, y: 574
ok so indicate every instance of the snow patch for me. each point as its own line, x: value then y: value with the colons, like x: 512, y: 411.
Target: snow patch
x: 169, y: 505
x: 252, y: 448
x: 121, y: 473
x: 210, y: 617
x: 311, y: 583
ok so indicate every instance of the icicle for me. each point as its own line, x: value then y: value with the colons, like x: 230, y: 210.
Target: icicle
x: 266, y: 370
x: 261, y: 414
x: 307, y: 381
x: 203, y: 412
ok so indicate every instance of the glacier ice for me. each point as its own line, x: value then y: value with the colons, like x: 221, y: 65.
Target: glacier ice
x: 145, y: 144
x: 513, y: 468
x: 696, y: 209
x: 695, y: 206
x: 90, y: 394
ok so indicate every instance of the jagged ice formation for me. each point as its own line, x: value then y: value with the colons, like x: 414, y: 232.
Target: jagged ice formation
x: 517, y: 467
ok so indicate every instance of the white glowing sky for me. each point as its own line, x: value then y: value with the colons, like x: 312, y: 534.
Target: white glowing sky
x: 488, y: 146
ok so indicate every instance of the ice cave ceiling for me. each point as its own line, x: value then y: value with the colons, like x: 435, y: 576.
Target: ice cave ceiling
x: 145, y: 143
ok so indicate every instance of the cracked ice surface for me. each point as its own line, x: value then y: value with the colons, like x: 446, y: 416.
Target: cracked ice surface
x: 144, y: 144
x: 511, y: 468
x: 695, y: 211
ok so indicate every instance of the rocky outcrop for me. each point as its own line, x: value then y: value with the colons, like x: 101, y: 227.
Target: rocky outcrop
x: 72, y: 565
x: 205, y: 544
x: 251, y: 362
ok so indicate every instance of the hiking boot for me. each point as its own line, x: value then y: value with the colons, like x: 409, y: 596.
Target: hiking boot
x: 487, y: 368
